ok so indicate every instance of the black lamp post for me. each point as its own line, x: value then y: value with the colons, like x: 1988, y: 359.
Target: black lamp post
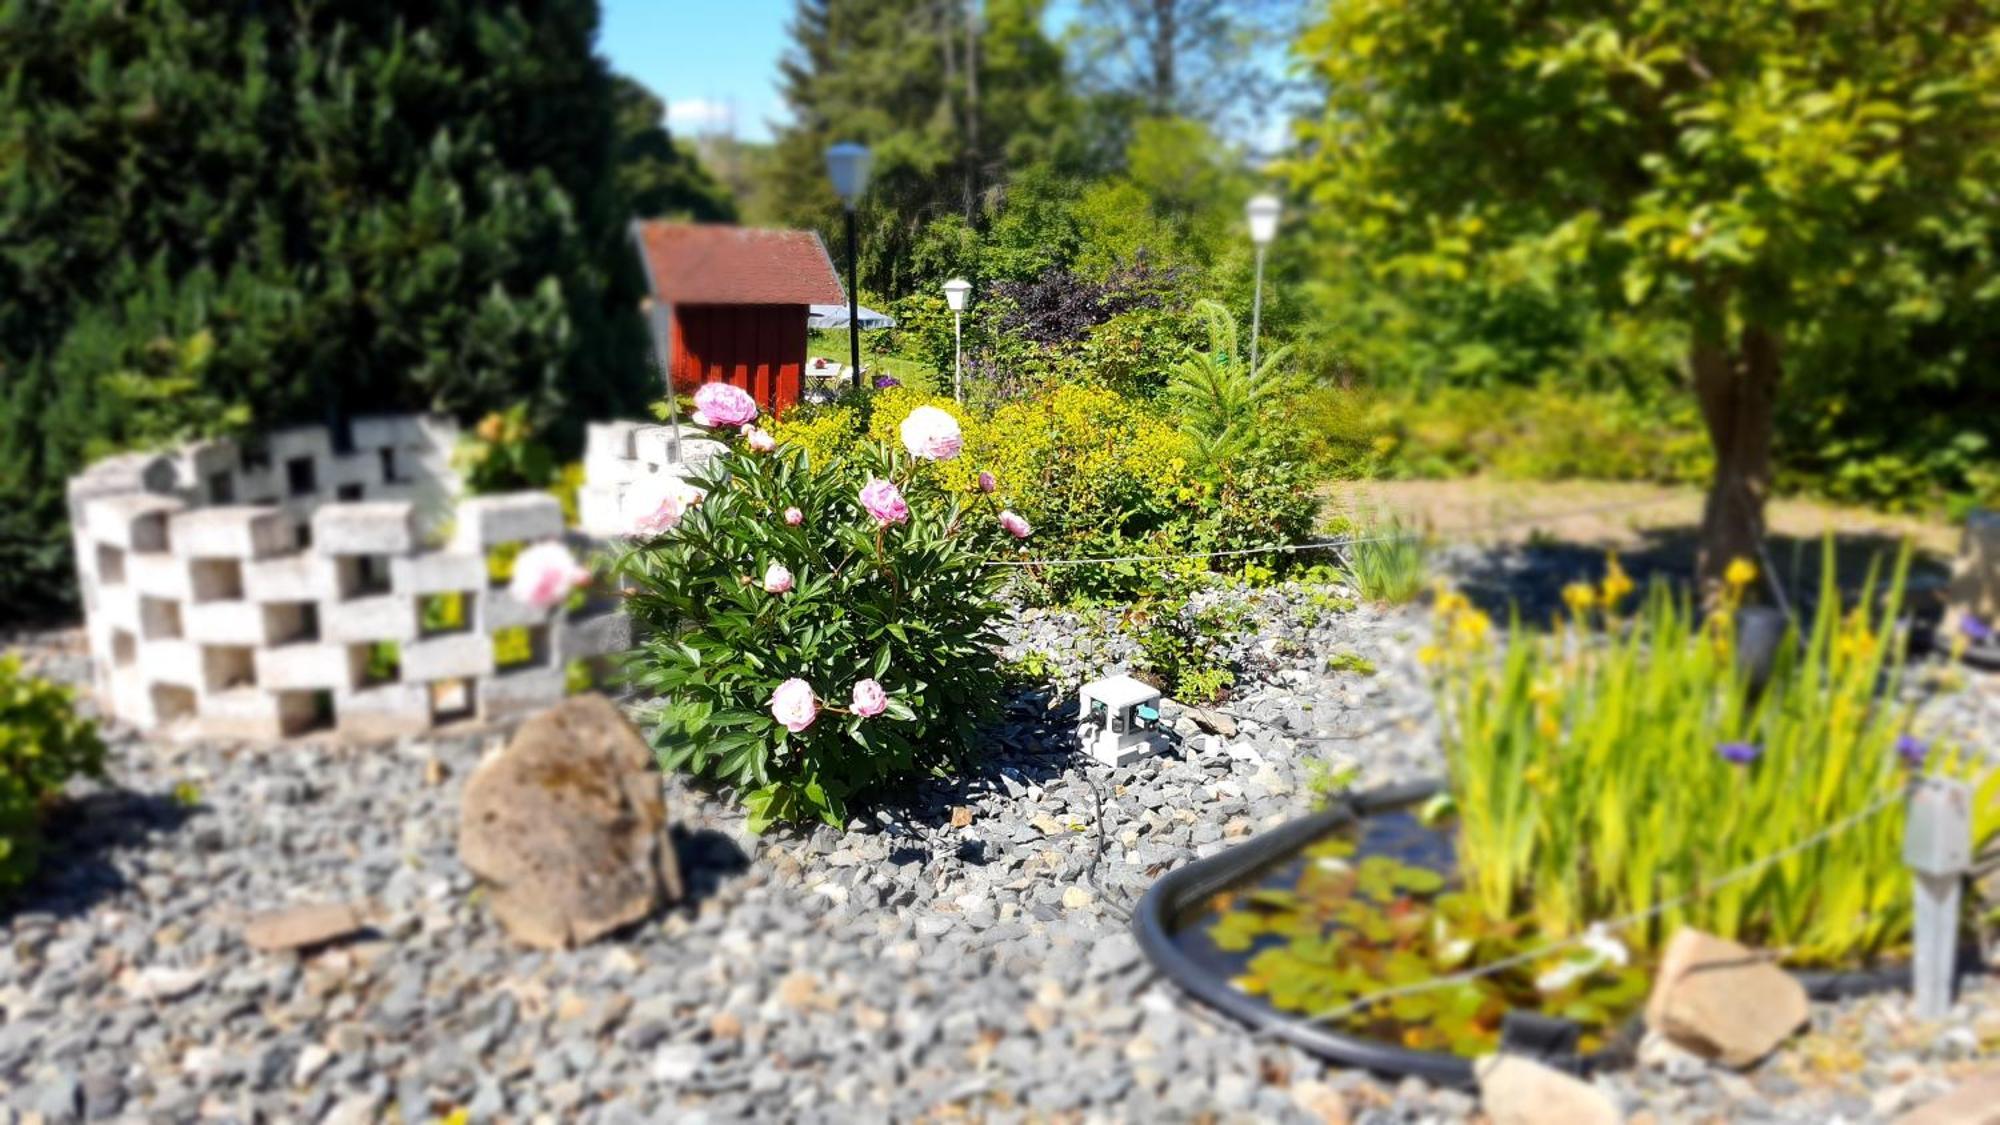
x: 847, y: 166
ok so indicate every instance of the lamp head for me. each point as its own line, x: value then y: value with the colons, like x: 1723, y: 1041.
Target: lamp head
x: 847, y: 166
x: 955, y: 292
x: 1263, y: 212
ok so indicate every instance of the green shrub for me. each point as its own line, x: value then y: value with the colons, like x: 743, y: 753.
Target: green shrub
x: 1184, y: 648
x: 504, y: 454
x: 1386, y: 563
x: 43, y: 743
x: 907, y: 606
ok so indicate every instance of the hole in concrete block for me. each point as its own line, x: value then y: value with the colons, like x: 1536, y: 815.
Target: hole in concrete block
x: 253, y: 456
x: 378, y: 662
x: 228, y: 666
x: 361, y: 576
x: 159, y: 619
x: 521, y: 647
x: 452, y: 700
x: 390, y: 474
x: 304, y: 712
x: 124, y: 648
x: 443, y: 614
x: 171, y: 702
x: 302, y: 535
x: 217, y: 580
x: 149, y: 532
x: 221, y: 487
x: 500, y: 562
x: 348, y: 493
x: 291, y: 622
x: 301, y: 476
x: 110, y: 565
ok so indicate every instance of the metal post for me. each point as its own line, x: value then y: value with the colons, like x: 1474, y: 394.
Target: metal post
x: 1257, y: 311
x: 957, y: 357
x: 853, y: 301
x: 1937, y: 845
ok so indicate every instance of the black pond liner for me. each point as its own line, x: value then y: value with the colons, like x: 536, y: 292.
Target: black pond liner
x: 1180, y: 893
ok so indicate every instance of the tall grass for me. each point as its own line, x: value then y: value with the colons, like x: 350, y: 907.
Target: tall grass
x: 1621, y: 762
x: 1386, y: 563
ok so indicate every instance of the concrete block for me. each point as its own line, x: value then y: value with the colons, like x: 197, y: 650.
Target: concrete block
x: 215, y: 580
x: 120, y: 474
x: 374, y: 431
x: 116, y: 607
x: 520, y: 692
x: 227, y: 623
x: 243, y: 713
x: 160, y: 619
x: 614, y: 470
x: 438, y: 433
x: 134, y: 522
x: 609, y: 441
x: 308, y: 666
x: 485, y: 521
x: 171, y: 662
x: 655, y: 445
x: 131, y: 697
x: 382, y: 711
x: 597, y: 635
x: 497, y: 609
x: 363, y: 467
x: 288, y: 578
x: 598, y: 513
x: 438, y: 572
x: 233, y: 532
x: 160, y: 576
x: 385, y: 617
x: 376, y: 527
x: 449, y: 657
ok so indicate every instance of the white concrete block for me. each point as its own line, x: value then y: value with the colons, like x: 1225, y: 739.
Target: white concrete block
x: 226, y: 623
x: 308, y: 666
x: 160, y: 576
x: 385, y: 617
x: 609, y: 441
x: 373, y: 431
x: 289, y: 578
x: 437, y: 432
x: 235, y: 532
x: 135, y: 521
x: 438, y: 572
x: 382, y: 711
x: 299, y: 441
x: 131, y: 697
x: 514, y: 517
x: 613, y: 470
x: 497, y: 609
x: 116, y: 607
x: 520, y: 692
x: 374, y: 527
x: 171, y: 662
x: 362, y: 467
x: 448, y: 657
x: 598, y: 512
x: 598, y: 635
x: 243, y: 712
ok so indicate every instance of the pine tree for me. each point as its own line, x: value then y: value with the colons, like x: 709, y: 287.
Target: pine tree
x: 352, y: 206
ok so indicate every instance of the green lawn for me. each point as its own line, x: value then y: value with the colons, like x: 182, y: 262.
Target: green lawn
x: 832, y: 343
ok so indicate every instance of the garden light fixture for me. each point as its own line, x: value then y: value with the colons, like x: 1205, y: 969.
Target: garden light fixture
x: 1263, y: 212
x: 955, y: 292
x: 1119, y: 720
x: 847, y: 166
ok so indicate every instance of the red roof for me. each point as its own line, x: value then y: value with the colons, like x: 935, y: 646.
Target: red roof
x: 712, y: 264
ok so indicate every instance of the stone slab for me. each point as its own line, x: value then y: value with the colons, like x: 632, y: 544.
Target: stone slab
x: 448, y: 658
x: 384, y: 617
x: 236, y: 531
x: 438, y: 572
x: 515, y: 517
x: 370, y: 527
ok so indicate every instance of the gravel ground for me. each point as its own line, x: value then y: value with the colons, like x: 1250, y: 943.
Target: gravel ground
x: 954, y: 954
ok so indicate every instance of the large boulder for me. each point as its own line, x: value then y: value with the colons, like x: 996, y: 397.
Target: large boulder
x: 1722, y: 1000
x: 567, y: 827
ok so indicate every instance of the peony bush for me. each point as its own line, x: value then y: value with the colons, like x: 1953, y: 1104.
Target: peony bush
x: 817, y: 625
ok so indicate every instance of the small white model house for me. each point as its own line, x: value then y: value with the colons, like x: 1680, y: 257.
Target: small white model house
x: 1118, y: 720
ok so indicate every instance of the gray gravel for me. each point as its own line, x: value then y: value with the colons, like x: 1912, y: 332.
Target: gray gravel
x: 901, y: 969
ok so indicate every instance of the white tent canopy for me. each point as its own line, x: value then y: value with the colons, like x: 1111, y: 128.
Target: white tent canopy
x: 835, y: 316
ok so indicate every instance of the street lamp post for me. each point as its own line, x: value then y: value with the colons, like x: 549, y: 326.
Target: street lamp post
x: 955, y: 292
x: 847, y: 166
x: 1263, y: 213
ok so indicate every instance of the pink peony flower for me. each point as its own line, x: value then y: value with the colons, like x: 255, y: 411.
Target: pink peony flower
x: 660, y: 501
x: 725, y: 405
x: 794, y: 517
x: 793, y: 706
x: 884, y: 501
x: 544, y: 575
x: 869, y: 699
x: 777, y: 580
x: 931, y: 434
x: 987, y: 483
x: 1015, y: 525
x: 761, y: 442
x: 700, y: 419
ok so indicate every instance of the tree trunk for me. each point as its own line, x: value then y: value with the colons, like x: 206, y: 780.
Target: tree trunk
x: 1737, y: 386
x: 1166, y: 31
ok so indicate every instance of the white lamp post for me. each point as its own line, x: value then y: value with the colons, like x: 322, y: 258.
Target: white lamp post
x: 1263, y: 213
x: 955, y: 292
x: 847, y: 166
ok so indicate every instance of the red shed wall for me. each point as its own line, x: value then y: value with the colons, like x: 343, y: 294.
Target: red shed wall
x: 761, y: 348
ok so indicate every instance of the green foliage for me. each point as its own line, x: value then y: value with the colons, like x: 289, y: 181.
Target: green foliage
x: 43, y: 743
x: 1185, y: 649
x: 907, y: 605
x: 1350, y: 662
x: 502, y: 454
x: 659, y: 177
x: 1349, y: 927
x: 371, y: 207
x: 1226, y: 409
x: 1587, y: 777
x: 1386, y: 563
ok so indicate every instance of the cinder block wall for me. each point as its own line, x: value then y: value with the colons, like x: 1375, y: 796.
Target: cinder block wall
x: 238, y: 589
x: 619, y: 456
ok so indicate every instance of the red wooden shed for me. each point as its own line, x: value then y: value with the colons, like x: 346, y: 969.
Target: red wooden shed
x: 734, y: 302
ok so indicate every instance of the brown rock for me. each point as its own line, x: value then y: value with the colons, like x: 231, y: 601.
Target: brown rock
x: 568, y: 828
x: 1722, y: 1000
x: 301, y: 927
x: 961, y: 816
x: 1320, y: 1102
x: 1974, y: 1103
x: 1519, y: 1091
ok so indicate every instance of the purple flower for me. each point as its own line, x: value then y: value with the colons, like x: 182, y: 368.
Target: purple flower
x: 1913, y: 750
x: 1738, y: 753
x: 884, y: 382
x: 1975, y: 630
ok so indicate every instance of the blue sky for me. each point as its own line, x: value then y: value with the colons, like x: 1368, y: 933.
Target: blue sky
x: 708, y: 58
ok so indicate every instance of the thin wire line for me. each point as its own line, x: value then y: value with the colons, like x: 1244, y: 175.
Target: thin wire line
x: 1619, y: 923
